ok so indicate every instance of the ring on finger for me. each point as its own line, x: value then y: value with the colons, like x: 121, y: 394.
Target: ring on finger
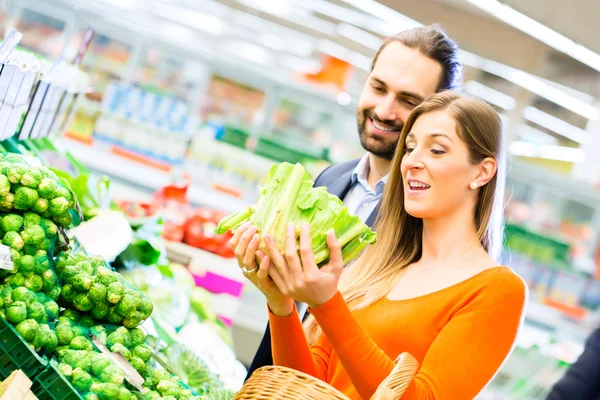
x: 247, y: 271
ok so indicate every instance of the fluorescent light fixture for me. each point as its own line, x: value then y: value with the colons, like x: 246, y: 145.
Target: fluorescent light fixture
x: 192, y: 18
x: 297, y: 43
x: 555, y: 124
x: 338, y: 51
x: 359, y: 36
x: 529, y: 134
x: 548, y: 152
x: 273, y: 42
x: 396, y: 20
x: 282, y: 9
x: 532, y: 83
x: 249, y: 51
x: 490, y: 95
x: 301, y: 64
x: 539, y: 31
x: 207, y: 6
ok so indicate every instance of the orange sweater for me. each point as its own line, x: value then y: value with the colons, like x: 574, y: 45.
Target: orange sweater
x: 460, y: 335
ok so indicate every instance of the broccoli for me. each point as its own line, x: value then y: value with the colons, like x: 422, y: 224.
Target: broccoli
x: 11, y: 223
x: 25, y: 265
x: 33, y: 235
x: 106, y: 391
x: 65, y: 334
x: 31, y: 178
x: 49, y: 280
x: 81, y: 380
x: 27, y: 328
x: 37, y: 311
x: 47, y: 188
x: 100, y: 310
x: 68, y: 293
x: 25, y: 198
x: 13, y: 240
x: 15, y: 173
x: 80, y: 343
x: 49, y: 227
x: 142, y: 352
x: 16, y: 312
x: 82, y: 282
x: 52, y: 309
x: 4, y: 186
x: 82, y: 302
x: 57, y: 206
x: 87, y: 322
x: 16, y: 280
x: 115, y: 292
x: 34, y: 283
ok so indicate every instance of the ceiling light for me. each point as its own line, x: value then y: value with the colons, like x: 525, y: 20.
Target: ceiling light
x: 283, y: 10
x: 548, y: 152
x: 555, y: 124
x: 532, y: 83
x: 249, y: 51
x: 192, y: 18
x: 539, y: 31
x: 398, y: 21
x: 490, y: 95
x: 359, y: 36
x: 531, y: 135
x: 340, y: 52
x: 301, y: 64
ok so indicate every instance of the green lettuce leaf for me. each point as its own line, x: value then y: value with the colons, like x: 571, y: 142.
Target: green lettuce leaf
x: 289, y: 197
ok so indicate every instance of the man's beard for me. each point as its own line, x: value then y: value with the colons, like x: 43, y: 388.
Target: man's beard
x: 380, y: 146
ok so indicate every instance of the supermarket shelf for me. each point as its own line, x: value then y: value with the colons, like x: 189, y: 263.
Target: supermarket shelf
x: 146, y: 178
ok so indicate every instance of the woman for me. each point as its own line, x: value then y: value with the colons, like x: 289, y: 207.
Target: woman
x: 430, y: 286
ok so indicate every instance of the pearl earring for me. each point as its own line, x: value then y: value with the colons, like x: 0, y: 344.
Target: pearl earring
x: 473, y: 185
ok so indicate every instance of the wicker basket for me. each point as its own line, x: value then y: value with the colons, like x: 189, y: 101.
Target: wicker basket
x: 282, y: 383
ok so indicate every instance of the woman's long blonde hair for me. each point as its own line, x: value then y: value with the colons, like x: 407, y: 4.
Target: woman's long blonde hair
x: 377, y: 270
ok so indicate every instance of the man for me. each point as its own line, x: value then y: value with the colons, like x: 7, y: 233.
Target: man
x: 408, y: 68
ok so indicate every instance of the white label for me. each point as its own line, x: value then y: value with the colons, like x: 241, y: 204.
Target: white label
x: 6, y: 261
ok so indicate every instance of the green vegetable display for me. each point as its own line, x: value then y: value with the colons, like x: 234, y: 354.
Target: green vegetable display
x: 289, y: 197
x: 90, y: 286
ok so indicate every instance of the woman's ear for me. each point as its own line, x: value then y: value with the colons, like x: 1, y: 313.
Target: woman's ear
x: 486, y: 170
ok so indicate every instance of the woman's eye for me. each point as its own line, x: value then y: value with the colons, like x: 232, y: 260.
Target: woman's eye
x: 437, y: 152
x: 409, y: 150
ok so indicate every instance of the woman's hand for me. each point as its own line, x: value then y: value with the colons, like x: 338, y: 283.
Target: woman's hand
x: 245, y: 242
x: 299, y: 276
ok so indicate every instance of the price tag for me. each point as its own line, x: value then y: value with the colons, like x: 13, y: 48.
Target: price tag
x: 131, y: 374
x: 6, y: 261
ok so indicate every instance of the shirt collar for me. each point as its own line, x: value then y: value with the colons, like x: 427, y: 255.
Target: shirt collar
x: 361, y: 175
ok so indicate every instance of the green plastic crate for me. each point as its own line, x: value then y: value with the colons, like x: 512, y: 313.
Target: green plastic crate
x: 52, y: 385
x: 15, y: 353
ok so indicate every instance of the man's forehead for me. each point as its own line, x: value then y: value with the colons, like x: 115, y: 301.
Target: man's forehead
x: 407, y: 69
